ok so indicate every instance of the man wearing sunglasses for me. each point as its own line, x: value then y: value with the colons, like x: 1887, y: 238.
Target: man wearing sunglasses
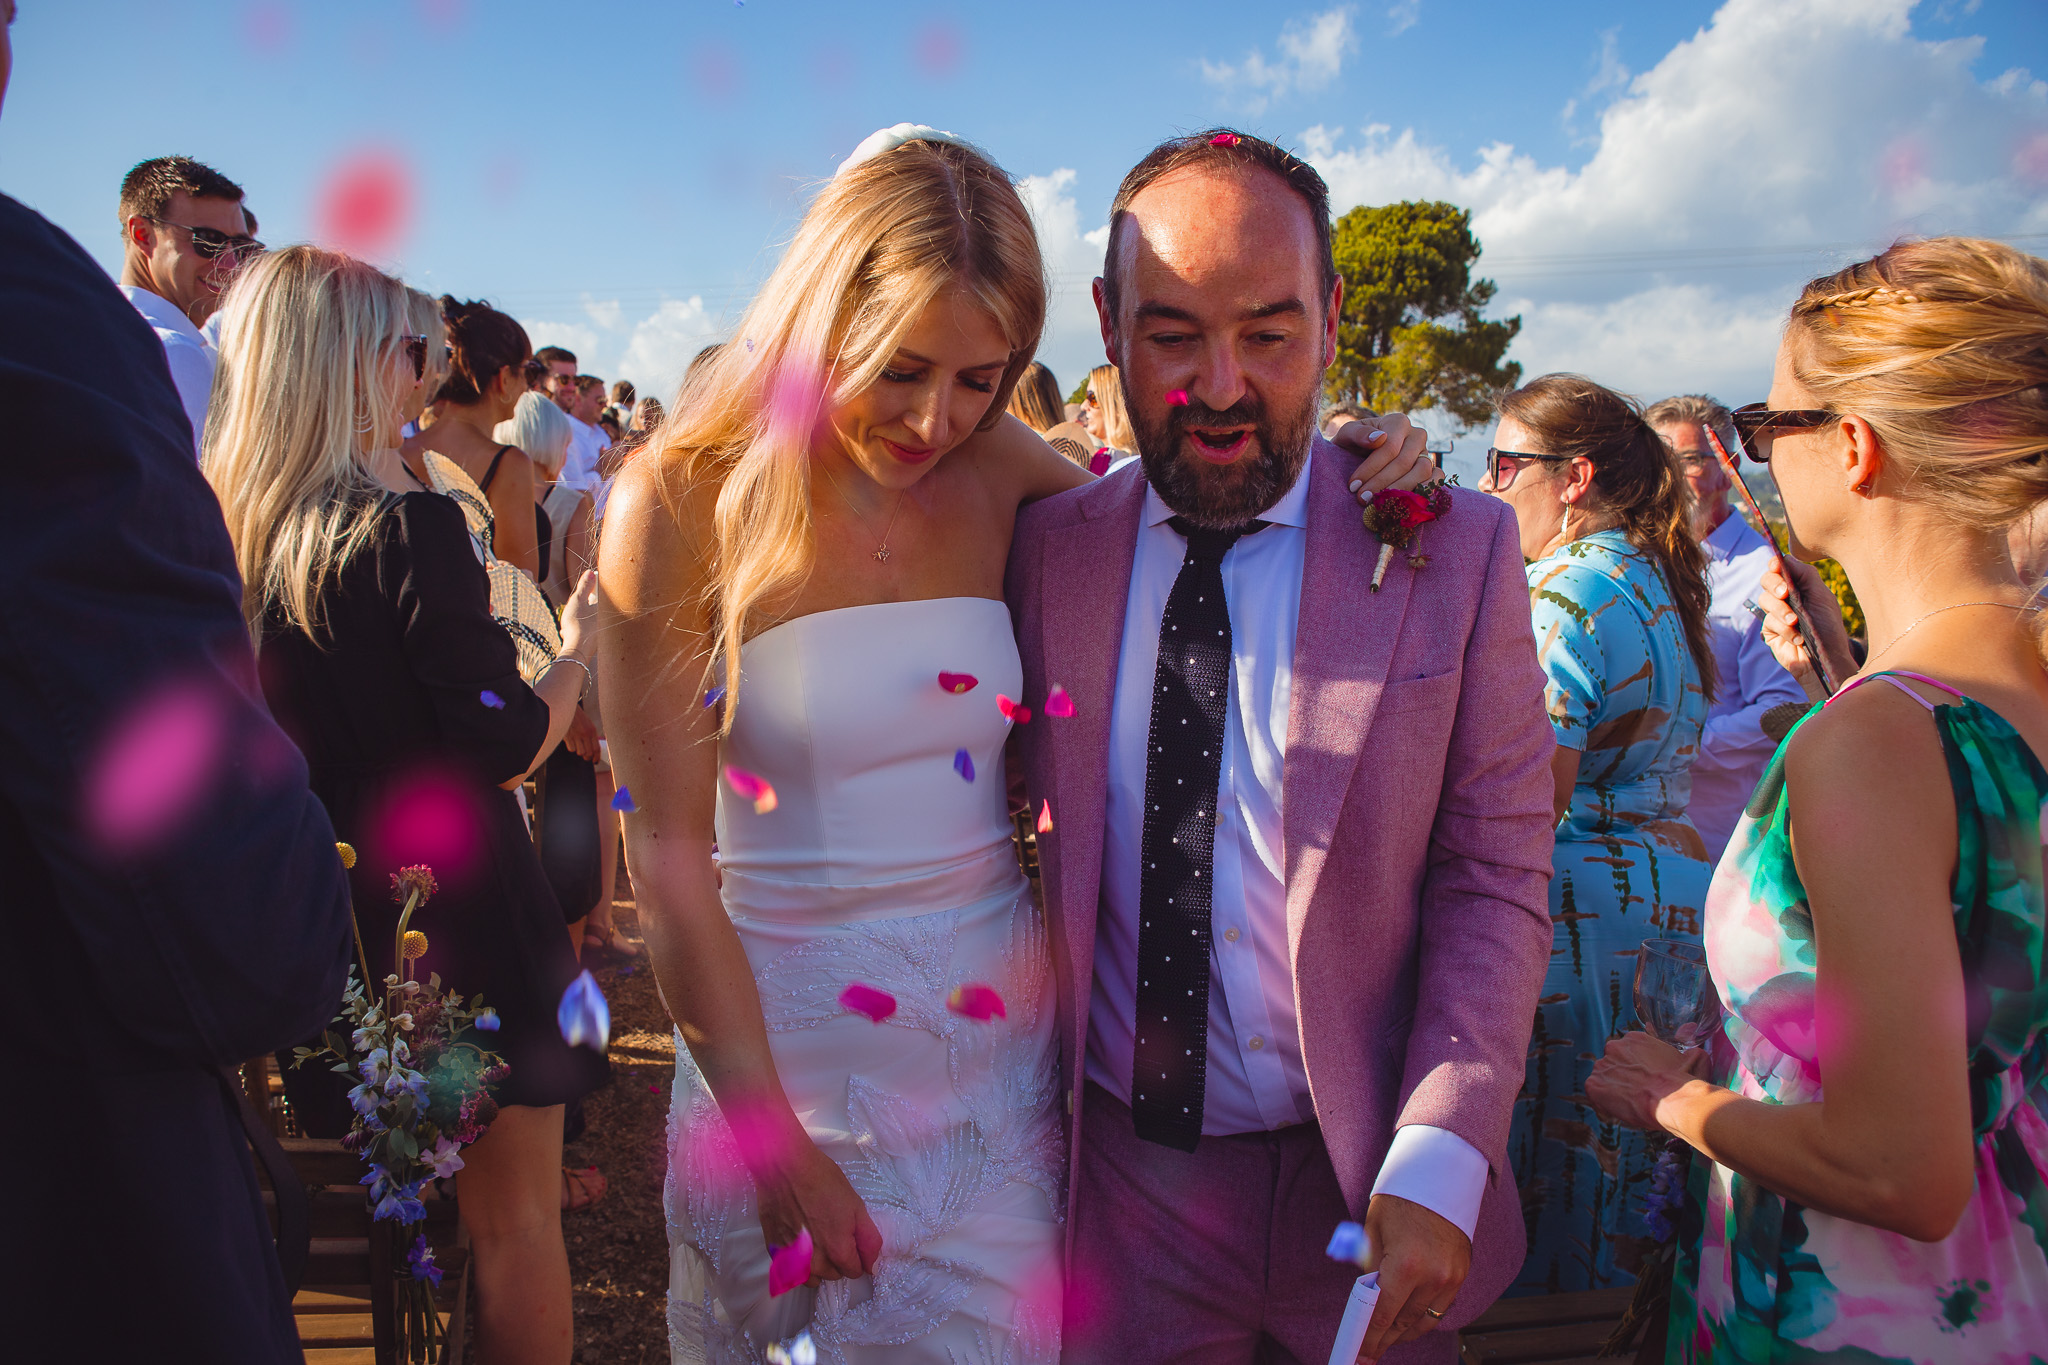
x: 183, y: 235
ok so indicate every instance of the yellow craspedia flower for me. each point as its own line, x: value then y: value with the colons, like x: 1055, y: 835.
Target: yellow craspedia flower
x: 415, y: 945
x: 348, y: 854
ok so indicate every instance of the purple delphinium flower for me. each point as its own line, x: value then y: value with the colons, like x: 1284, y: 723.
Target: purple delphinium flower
x: 420, y: 1260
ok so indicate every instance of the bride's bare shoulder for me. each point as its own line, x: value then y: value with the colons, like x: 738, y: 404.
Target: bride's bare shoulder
x: 658, y: 530
x: 1013, y: 459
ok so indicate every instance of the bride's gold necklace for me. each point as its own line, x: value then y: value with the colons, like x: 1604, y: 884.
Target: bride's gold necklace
x: 881, y: 551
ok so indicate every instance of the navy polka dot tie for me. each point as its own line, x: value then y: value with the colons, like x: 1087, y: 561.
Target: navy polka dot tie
x: 1183, y: 759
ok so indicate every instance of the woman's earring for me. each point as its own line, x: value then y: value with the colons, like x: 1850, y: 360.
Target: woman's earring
x: 365, y: 423
x: 1564, y: 532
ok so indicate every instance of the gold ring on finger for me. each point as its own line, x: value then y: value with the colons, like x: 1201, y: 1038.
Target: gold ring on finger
x: 1433, y: 1313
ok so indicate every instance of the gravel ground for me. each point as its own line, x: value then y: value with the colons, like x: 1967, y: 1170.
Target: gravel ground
x: 618, y: 1251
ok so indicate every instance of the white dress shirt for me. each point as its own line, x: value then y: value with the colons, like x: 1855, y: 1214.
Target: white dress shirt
x: 186, y: 350
x: 587, y: 443
x: 1748, y: 682
x: 1256, y: 1080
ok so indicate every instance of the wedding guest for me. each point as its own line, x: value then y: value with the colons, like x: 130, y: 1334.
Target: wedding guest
x: 541, y: 431
x: 1873, y: 1161
x: 424, y: 320
x: 1036, y: 400
x: 1748, y: 680
x: 182, y: 927
x: 589, y: 441
x: 487, y: 352
x: 623, y: 397
x: 382, y: 661
x: 1336, y: 418
x: 183, y: 234
x: 1619, y: 590
x: 559, y: 367
x: 647, y: 415
x: 1107, y: 418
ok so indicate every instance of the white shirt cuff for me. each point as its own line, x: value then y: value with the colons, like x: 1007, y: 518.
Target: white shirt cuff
x: 1437, y: 1169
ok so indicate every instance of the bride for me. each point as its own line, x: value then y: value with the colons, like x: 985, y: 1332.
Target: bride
x: 817, y: 533
x: 808, y: 677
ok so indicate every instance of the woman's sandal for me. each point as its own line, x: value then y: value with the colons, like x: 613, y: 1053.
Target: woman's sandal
x: 581, y: 1189
x: 617, y: 944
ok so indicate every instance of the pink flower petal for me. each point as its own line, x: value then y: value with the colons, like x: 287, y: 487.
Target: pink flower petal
x: 959, y: 682
x: 977, y: 1001
x: 789, y: 1267
x: 1058, y: 702
x: 1012, y: 710
x: 753, y: 788
x: 1225, y: 140
x: 963, y: 764
x: 1045, y: 818
x: 861, y: 998
x: 1178, y: 398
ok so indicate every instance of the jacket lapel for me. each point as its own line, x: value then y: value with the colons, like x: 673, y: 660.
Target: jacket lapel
x: 1086, y: 587
x: 1344, y: 646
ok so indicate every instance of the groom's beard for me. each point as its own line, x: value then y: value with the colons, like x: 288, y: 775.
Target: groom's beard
x: 1222, y: 496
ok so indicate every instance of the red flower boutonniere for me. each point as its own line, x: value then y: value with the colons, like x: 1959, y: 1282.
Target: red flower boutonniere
x: 1397, y: 517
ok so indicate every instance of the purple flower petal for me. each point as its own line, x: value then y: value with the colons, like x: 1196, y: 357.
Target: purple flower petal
x: 963, y: 764
x: 491, y: 699
x: 622, y: 800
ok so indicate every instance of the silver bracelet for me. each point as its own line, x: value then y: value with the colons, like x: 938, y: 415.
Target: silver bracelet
x: 588, y: 676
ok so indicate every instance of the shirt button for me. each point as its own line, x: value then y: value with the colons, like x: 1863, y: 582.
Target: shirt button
x: 1230, y: 935
x: 1256, y: 1043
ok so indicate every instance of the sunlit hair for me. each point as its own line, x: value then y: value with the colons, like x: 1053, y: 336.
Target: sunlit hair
x: 541, y: 430
x: 1694, y: 410
x: 1639, y: 482
x: 878, y: 244
x: 1942, y: 346
x: 309, y: 376
x: 423, y: 318
x: 1036, y: 401
x: 1108, y: 387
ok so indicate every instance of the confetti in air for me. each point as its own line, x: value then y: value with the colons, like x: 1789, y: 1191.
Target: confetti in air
x: 365, y: 204
x: 1177, y: 399
x: 1045, y: 818
x: 622, y: 801
x: 977, y: 1001
x: 753, y: 788
x: 1224, y: 140
x: 1058, y: 703
x: 1349, y: 1243
x: 874, y: 1002
x: 713, y: 697
x: 789, y: 1267
x: 1012, y: 710
x: 963, y: 764
x: 491, y: 699
x: 584, y: 1017
x: 957, y: 683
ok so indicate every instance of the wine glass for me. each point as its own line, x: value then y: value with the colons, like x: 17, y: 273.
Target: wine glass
x: 1675, y: 997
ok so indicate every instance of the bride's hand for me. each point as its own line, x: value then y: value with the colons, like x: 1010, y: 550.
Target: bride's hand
x: 810, y: 1191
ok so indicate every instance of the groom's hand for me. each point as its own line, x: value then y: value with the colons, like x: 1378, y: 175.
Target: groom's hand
x: 1394, y: 450
x: 1423, y: 1259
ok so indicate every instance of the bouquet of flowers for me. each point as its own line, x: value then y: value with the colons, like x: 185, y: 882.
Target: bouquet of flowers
x: 422, y: 1095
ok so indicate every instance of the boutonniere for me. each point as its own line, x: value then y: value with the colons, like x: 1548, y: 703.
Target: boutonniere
x: 1397, y: 516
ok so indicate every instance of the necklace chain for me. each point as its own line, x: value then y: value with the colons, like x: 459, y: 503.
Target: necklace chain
x: 1953, y: 606
x: 881, y: 551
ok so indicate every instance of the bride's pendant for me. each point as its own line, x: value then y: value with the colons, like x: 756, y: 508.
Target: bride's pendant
x: 882, y: 553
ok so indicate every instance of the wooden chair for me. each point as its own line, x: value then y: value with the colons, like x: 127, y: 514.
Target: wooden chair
x: 1553, y: 1329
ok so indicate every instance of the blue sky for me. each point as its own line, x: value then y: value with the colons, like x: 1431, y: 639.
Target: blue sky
x: 1651, y: 181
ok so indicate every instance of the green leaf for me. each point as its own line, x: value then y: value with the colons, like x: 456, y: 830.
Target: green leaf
x: 402, y: 1144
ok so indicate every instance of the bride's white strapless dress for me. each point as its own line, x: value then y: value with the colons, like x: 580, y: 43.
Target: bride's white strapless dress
x: 882, y: 865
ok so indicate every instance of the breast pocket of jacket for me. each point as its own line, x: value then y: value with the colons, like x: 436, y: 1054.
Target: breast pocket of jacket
x: 1411, y: 732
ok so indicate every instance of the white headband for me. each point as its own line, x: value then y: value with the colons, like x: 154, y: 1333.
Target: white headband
x: 889, y: 139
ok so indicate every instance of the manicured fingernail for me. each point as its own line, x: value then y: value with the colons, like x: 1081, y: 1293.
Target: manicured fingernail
x: 1357, y: 484
x: 1376, y: 438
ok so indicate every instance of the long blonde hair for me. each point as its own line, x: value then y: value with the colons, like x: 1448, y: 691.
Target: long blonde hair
x: 304, y: 377
x: 423, y: 314
x: 877, y: 245
x: 1106, y: 383
x: 1942, y: 346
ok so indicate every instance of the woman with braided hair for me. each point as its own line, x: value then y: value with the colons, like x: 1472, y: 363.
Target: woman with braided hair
x: 1873, y: 1181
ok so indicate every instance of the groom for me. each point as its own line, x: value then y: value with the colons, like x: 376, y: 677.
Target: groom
x: 1296, y: 874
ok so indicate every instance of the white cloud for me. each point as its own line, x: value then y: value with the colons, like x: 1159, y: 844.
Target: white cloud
x: 663, y: 345
x: 1817, y: 124
x: 578, y: 338
x: 606, y: 313
x: 1402, y: 16
x: 1609, y: 74
x: 1073, y: 258
x: 1312, y: 51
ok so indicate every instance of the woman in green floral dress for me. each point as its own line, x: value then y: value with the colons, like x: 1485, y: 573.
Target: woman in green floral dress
x: 1874, y: 1178
x: 1618, y: 590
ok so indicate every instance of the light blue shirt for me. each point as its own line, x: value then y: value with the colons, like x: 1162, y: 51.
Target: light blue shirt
x: 1256, y: 1080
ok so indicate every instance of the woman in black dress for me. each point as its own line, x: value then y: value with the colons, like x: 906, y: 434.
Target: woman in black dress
x: 380, y: 658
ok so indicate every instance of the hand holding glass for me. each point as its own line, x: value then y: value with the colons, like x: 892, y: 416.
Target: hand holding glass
x: 1675, y: 997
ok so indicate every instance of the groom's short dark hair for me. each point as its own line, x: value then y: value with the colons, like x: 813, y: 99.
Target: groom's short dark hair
x: 1221, y: 148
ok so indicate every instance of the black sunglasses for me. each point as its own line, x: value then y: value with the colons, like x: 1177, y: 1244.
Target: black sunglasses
x: 416, y: 351
x: 212, y: 243
x: 1754, y: 419
x: 1511, y: 461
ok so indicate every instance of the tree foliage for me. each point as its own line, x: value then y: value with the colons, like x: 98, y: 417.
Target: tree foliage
x: 1411, y: 335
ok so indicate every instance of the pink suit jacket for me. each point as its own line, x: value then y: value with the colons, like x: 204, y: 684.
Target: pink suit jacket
x: 1417, y: 817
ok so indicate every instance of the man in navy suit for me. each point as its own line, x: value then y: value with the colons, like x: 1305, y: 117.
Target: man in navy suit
x: 170, y: 899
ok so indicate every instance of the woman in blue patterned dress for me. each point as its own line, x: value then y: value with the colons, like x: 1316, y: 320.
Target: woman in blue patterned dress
x: 1618, y: 589
x: 1875, y: 1187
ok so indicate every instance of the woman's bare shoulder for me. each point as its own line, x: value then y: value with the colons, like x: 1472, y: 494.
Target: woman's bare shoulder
x: 1014, y: 459
x: 658, y: 532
